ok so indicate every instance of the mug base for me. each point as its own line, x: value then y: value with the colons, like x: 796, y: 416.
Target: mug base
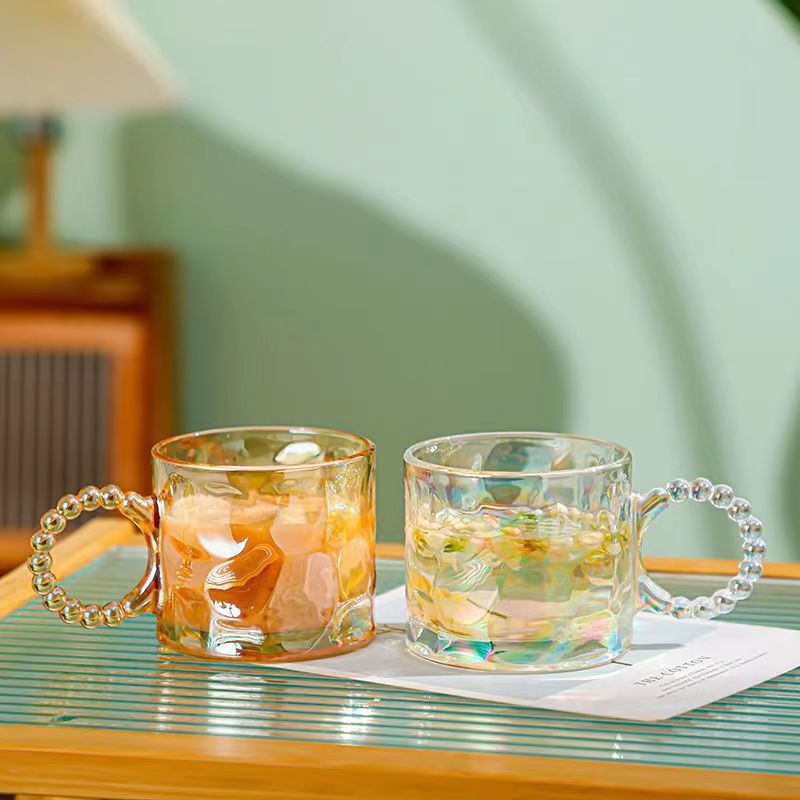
x: 507, y: 656
x: 264, y: 658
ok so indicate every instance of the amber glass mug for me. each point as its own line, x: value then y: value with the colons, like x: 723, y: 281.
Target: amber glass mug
x: 261, y: 544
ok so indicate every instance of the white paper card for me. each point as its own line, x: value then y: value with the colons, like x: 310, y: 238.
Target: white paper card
x: 674, y: 666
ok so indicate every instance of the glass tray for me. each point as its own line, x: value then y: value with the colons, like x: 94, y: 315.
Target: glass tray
x: 121, y: 679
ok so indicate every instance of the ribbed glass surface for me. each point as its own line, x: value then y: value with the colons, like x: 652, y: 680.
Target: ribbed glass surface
x: 122, y: 679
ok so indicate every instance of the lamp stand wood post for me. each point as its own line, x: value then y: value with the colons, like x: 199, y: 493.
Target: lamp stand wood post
x: 40, y: 257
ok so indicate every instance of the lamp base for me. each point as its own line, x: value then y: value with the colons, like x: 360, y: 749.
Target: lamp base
x: 42, y: 265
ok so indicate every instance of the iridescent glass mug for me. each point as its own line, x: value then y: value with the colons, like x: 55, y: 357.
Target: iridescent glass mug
x: 261, y: 544
x: 523, y: 551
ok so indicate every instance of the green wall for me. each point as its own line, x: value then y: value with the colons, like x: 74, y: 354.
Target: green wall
x: 410, y: 218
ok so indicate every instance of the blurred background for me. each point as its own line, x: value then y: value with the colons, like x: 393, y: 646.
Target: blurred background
x: 406, y: 219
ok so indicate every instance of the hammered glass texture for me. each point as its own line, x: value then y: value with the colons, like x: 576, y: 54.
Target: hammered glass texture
x: 519, y: 552
x: 265, y: 564
x: 121, y: 679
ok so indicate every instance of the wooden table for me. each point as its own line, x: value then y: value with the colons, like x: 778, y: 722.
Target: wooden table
x: 59, y: 736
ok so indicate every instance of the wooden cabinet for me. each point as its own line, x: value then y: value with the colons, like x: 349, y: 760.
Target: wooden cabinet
x: 86, y: 384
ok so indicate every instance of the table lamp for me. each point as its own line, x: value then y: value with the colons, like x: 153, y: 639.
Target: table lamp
x: 59, y: 56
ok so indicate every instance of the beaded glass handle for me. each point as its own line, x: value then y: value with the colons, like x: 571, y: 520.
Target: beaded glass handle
x: 657, y: 598
x: 140, y: 510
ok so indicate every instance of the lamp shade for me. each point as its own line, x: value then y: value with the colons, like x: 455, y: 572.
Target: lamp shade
x: 65, y: 55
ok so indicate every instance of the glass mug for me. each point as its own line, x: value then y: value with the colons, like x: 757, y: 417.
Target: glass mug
x: 523, y: 551
x: 261, y: 544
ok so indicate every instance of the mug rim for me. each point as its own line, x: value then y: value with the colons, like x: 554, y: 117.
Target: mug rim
x: 157, y: 454
x: 411, y: 459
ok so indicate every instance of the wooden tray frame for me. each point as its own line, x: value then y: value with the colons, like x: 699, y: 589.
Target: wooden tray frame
x: 73, y: 762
